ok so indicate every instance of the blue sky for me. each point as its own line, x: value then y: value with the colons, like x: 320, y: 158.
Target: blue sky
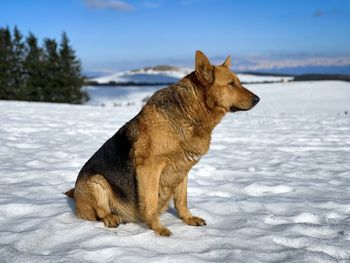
x: 113, y: 35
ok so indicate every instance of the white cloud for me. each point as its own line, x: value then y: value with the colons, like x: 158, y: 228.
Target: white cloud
x: 109, y: 4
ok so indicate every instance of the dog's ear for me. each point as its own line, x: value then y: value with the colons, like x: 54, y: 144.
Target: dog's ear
x: 227, y: 62
x: 204, y: 70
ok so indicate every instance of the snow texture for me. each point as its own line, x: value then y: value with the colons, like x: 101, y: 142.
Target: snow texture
x: 274, y: 187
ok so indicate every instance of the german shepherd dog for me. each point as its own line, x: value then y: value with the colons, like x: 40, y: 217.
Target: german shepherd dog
x: 133, y: 176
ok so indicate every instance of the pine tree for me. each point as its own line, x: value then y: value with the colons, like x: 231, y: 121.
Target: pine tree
x: 6, y: 65
x: 53, y: 82
x: 70, y: 72
x: 34, y: 72
x: 17, y: 74
x: 30, y: 72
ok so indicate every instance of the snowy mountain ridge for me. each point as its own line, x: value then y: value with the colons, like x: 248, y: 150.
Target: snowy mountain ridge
x: 164, y: 74
x: 149, y: 75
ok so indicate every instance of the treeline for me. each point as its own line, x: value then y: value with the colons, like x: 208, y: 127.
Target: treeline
x: 125, y: 84
x: 314, y: 77
x: 31, y: 72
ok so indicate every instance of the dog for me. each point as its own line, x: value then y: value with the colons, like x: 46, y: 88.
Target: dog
x: 135, y: 173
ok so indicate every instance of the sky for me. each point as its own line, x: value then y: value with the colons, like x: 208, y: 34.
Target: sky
x: 111, y: 35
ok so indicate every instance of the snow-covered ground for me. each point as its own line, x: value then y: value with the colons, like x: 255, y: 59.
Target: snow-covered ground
x: 168, y: 74
x: 274, y: 187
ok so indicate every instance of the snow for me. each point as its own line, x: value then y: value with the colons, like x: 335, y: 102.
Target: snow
x: 274, y: 187
x: 172, y: 75
x: 119, y: 96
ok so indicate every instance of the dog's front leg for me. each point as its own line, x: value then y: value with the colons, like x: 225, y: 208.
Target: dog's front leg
x: 180, y: 201
x: 148, y: 186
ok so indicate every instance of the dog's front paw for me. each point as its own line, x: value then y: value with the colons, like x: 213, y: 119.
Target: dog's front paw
x: 194, y: 221
x: 162, y: 231
x: 111, y: 220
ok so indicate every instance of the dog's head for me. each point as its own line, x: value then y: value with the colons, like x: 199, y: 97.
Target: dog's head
x: 223, y: 88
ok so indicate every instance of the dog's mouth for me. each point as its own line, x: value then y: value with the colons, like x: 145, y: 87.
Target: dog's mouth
x: 235, y: 109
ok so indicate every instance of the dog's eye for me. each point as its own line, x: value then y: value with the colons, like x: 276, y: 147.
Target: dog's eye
x: 232, y: 83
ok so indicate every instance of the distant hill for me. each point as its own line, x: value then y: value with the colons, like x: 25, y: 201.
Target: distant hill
x: 332, y: 69
x: 157, y: 75
x: 159, y: 68
x: 302, y: 77
x: 166, y: 75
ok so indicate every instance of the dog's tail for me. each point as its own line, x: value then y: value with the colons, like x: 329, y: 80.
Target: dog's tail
x: 70, y: 193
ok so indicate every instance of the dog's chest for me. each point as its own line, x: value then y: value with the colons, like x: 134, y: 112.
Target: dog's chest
x: 181, y: 161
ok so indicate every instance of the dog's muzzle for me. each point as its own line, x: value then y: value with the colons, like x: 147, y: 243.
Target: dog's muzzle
x: 255, y: 101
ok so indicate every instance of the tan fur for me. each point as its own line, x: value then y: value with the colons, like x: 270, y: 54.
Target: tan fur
x: 96, y: 200
x: 170, y: 134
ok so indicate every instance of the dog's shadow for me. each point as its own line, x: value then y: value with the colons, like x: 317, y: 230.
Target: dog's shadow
x: 70, y: 203
x: 172, y: 211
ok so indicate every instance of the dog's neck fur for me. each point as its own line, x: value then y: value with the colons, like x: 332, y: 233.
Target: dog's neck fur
x: 201, y: 115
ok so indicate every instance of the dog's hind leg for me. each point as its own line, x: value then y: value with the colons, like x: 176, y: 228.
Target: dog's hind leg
x: 104, y: 198
x: 84, y: 201
x: 94, y: 197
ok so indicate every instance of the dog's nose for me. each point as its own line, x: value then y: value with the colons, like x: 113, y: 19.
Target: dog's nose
x: 255, y: 100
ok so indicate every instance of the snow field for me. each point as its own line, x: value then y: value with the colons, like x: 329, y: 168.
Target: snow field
x: 274, y: 187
